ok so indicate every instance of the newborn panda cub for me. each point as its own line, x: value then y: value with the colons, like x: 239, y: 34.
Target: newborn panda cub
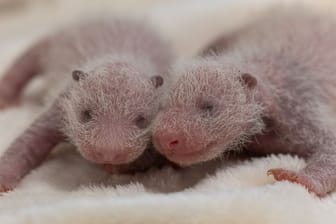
x: 272, y: 90
x: 108, y: 75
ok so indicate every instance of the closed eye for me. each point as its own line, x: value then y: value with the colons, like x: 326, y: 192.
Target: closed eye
x: 86, y: 116
x: 206, y: 107
x: 141, y: 122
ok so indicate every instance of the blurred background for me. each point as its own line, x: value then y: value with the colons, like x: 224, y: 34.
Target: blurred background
x: 21, y: 21
x: 188, y: 23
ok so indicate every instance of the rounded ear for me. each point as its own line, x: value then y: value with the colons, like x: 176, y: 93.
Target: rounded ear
x: 157, y: 81
x: 78, y: 75
x: 249, y: 80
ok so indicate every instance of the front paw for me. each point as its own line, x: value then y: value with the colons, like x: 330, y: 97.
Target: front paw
x: 296, y: 177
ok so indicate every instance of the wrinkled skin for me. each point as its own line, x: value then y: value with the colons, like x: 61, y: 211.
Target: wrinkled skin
x: 107, y: 77
x: 107, y: 113
x: 285, y: 103
x: 189, y: 129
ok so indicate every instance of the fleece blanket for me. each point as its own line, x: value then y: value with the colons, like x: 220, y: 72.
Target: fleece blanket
x: 68, y: 189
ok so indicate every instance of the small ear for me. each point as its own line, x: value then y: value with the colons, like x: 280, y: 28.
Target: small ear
x: 78, y: 75
x: 249, y: 80
x: 157, y: 81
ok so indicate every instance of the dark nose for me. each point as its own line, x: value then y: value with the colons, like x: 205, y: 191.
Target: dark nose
x: 171, y: 142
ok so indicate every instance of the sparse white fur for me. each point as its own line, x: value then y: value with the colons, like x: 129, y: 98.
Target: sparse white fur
x: 108, y: 75
x: 120, y: 58
x: 275, y: 83
x: 192, y: 85
x: 61, y: 191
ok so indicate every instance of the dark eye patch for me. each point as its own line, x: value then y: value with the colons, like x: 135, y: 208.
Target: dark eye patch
x: 141, y: 122
x: 86, y: 116
x: 207, y: 107
x: 157, y: 81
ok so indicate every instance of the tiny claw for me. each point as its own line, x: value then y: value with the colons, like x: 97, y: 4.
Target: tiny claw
x: 295, y: 177
x: 269, y: 172
x: 4, y: 189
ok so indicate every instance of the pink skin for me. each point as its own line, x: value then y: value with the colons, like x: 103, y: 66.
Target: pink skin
x: 296, y: 177
x: 16, y: 78
x: 186, y: 141
x: 30, y: 149
x: 88, y: 124
x: 105, y: 109
x: 274, y: 97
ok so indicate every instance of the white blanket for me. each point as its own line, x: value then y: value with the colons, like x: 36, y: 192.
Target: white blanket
x: 67, y: 189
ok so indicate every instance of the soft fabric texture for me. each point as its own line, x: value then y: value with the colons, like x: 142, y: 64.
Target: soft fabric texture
x: 68, y: 189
